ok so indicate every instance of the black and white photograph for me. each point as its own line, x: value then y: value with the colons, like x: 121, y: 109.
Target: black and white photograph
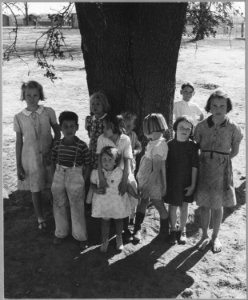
x: 123, y: 149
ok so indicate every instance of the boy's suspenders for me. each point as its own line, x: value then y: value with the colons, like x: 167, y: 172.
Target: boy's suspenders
x: 75, y: 158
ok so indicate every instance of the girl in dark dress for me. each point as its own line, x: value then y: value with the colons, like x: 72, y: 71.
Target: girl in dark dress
x: 182, y: 166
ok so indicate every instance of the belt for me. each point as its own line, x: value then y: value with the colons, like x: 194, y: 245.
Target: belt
x: 213, y: 151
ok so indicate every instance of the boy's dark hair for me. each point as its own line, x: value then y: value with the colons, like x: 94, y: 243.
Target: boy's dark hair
x: 68, y: 116
x: 221, y: 95
x: 185, y: 84
x: 111, y: 152
x: 114, y: 122
x: 32, y: 85
x: 181, y: 119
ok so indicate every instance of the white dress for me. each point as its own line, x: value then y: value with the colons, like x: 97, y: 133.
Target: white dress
x: 111, y: 204
x: 37, y: 142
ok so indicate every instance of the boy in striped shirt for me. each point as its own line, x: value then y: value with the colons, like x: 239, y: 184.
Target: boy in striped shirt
x: 72, y: 159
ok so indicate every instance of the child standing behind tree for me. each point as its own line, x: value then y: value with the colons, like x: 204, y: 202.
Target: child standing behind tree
x: 70, y: 155
x: 33, y: 145
x: 182, y: 166
x: 186, y: 107
x: 99, y: 107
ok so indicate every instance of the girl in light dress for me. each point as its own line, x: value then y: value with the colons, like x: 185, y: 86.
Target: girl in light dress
x: 219, y: 139
x: 151, y: 175
x: 33, y: 145
x: 111, y: 204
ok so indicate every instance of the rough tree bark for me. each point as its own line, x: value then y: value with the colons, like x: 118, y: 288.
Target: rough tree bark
x: 130, y: 52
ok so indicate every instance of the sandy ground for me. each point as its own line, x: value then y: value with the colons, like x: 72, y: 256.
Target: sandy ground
x: 34, y: 268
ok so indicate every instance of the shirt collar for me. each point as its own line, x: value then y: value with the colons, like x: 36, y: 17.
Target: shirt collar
x: 211, y: 123
x: 38, y: 111
x: 102, y: 117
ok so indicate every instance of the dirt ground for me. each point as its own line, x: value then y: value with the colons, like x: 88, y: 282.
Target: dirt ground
x: 34, y: 268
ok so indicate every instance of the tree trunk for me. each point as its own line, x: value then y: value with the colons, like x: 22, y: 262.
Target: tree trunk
x: 130, y: 52
x: 26, y: 13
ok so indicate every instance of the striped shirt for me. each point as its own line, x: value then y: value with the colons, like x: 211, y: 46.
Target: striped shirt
x: 67, y: 155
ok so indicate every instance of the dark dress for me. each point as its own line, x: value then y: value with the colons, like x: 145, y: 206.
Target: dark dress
x: 182, y: 157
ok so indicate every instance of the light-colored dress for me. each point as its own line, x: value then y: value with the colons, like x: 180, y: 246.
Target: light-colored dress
x: 111, y: 204
x: 153, y: 148
x: 37, y: 141
x: 215, y: 179
x: 124, y: 147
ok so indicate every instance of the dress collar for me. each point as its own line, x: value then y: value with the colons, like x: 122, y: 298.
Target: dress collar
x: 38, y: 111
x: 102, y: 117
x: 211, y: 123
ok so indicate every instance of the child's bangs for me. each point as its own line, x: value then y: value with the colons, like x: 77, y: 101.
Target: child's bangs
x: 154, y: 124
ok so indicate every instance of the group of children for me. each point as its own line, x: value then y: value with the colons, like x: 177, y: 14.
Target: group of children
x: 173, y: 172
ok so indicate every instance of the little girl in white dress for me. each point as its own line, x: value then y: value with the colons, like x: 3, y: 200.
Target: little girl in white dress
x: 109, y: 204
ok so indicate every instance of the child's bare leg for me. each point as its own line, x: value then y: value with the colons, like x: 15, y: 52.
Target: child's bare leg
x: 119, y: 228
x: 159, y: 204
x: 105, y: 224
x: 205, y: 220
x: 217, y: 215
x: 164, y: 219
x: 173, y: 217
x: 183, y: 216
x: 37, y: 202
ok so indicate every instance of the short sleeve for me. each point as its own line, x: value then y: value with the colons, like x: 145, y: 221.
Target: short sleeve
x: 194, y: 156
x: 52, y: 115
x: 161, y: 150
x: 17, y: 127
x: 197, y: 134
x: 237, y: 135
x: 127, y: 148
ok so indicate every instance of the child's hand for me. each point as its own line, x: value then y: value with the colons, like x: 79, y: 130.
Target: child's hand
x: 20, y: 173
x: 189, y: 191
x: 122, y: 187
x: 103, y: 184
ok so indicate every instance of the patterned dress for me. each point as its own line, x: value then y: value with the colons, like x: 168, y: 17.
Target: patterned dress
x: 157, y: 147
x: 215, y: 181
x: 37, y: 142
x: 94, y: 127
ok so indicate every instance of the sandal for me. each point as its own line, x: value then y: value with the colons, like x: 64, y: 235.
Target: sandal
x: 42, y: 225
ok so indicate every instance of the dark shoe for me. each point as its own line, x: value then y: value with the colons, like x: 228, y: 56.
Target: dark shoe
x: 127, y: 236
x: 183, y: 238
x: 83, y: 245
x: 173, y: 237
x: 57, y: 241
x: 137, y: 237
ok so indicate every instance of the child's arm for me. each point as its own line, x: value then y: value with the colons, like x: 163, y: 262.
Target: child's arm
x: 102, y: 181
x: 190, y: 189
x: 56, y: 130
x: 19, y: 145
x: 126, y: 171
x: 234, y: 151
x: 137, y: 147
